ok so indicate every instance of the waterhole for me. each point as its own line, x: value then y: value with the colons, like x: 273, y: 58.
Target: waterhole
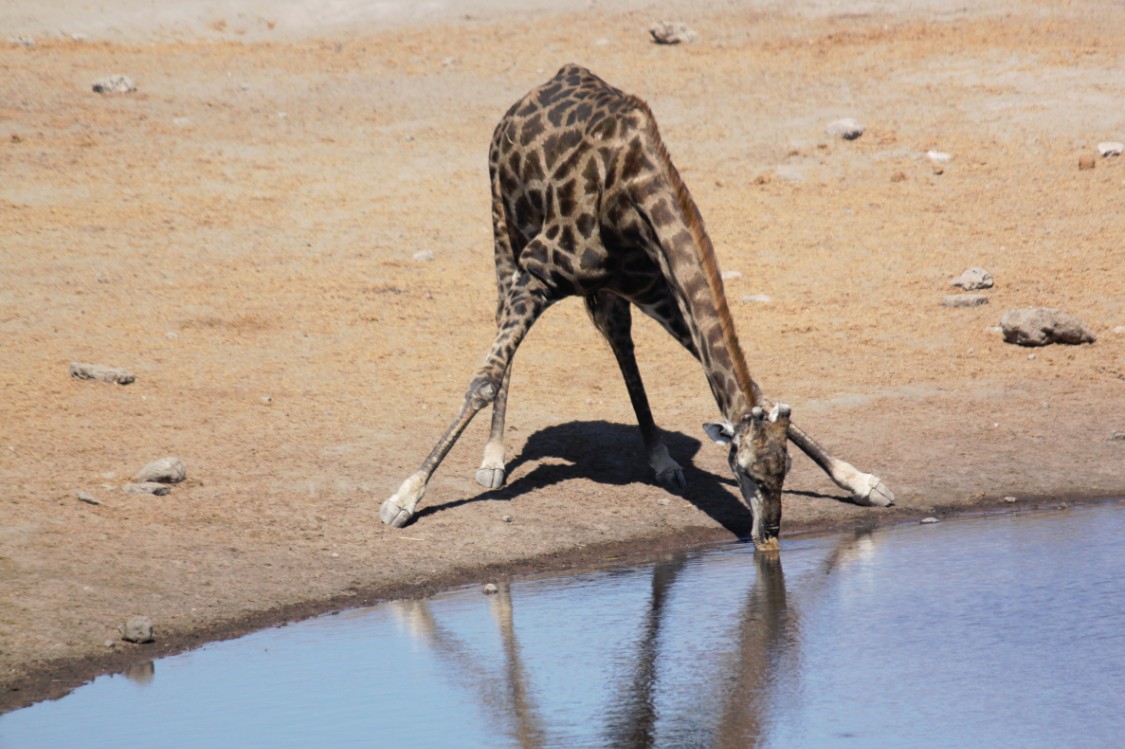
x: 1002, y: 631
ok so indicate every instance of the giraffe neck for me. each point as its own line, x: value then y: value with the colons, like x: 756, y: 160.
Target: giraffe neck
x: 688, y: 261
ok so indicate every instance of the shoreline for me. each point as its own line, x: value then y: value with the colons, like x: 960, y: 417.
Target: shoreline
x: 55, y: 680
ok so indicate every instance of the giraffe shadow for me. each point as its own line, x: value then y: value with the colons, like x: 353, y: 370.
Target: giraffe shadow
x: 612, y: 454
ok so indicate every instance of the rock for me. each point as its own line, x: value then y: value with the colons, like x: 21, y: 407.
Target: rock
x: 490, y: 589
x: 87, y: 498
x: 663, y: 501
x: 81, y: 371
x: 964, y: 300
x: 147, y: 487
x: 1086, y: 162
x: 1009, y: 500
x: 929, y: 521
x: 845, y: 128
x: 166, y: 471
x: 424, y: 256
x: 671, y: 32
x: 1116, y: 436
x: 1110, y: 148
x: 973, y: 279
x: 759, y: 298
x: 1041, y: 326
x: 1119, y: 330
x: 115, y: 84
x: 138, y: 629
x: 507, y: 518
x: 939, y: 157
x: 731, y: 275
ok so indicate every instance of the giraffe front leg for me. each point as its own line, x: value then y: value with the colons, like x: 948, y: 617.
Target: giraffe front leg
x: 491, y: 474
x: 867, y: 489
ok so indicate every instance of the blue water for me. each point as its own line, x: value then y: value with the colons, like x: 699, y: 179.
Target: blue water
x: 1005, y: 631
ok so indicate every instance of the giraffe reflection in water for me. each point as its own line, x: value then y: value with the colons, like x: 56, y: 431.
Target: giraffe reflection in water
x: 724, y: 702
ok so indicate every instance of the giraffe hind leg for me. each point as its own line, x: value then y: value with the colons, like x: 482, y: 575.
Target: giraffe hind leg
x: 491, y: 474
x: 613, y: 318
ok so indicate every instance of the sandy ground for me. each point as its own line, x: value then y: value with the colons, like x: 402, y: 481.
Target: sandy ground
x: 241, y: 234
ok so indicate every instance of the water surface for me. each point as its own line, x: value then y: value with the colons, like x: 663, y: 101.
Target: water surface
x: 983, y: 632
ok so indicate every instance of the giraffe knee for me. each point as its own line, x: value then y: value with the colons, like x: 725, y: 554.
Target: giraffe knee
x: 482, y: 391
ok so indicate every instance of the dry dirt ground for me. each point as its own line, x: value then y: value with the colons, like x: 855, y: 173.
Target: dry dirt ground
x: 241, y: 234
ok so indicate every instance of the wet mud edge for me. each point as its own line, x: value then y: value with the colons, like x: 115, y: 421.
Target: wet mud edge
x: 56, y: 679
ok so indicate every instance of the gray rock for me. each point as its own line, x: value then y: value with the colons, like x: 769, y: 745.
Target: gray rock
x: 87, y: 498
x: 973, y: 279
x: 97, y: 372
x: 939, y: 157
x: 846, y: 128
x: 424, y: 256
x: 1041, y: 326
x: 758, y: 298
x: 929, y: 521
x: 166, y: 471
x: 115, y: 84
x: 964, y: 300
x: 147, y: 487
x: 138, y: 629
x: 671, y: 32
x: 490, y: 589
x: 1110, y: 148
x: 1116, y: 436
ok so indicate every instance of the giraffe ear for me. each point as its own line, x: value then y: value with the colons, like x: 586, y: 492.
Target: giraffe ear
x: 721, y: 432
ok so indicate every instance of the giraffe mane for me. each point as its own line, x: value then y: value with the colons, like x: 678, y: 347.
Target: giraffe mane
x: 705, y: 253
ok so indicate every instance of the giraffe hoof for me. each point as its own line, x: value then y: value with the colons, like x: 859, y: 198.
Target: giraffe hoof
x: 874, y: 494
x: 672, y: 478
x: 394, y: 514
x: 490, y: 478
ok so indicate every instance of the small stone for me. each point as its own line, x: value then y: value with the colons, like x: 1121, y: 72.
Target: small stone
x: 507, y: 518
x: 973, y: 279
x: 671, y: 32
x: 115, y: 84
x: 898, y: 177
x: 964, y: 300
x: 939, y: 157
x: 100, y: 373
x: 1031, y: 357
x: 87, y: 498
x: 731, y: 275
x: 663, y: 501
x: 1009, y: 500
x: 266, y: 400
x: 757, y: 298
x: 929, y: 521
x: 1116, y: 436
x: 1110, y: 148
x: 490, y: 589
x: 424, y: 256
x: 1041, y: 326
x: 138, y: 629
x: 1119, y: 330
x: 1085, y: 162
x: 168, y: 470
x: 938, y: 170
x: 846, y: 128
x: 147, y: 487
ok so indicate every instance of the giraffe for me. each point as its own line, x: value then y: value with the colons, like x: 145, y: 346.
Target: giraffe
x: 586, y: 202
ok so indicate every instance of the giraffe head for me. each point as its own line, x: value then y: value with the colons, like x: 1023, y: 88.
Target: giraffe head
x: 759, y: 457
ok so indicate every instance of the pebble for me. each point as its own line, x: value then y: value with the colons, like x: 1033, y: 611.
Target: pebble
x: 731, y: 275
x: 846, y: 128
x: 1009, y: 499
x: 147, y: 487
x: 100, y: 373
x: 939, y: 157
x: 138, y: 629
x: 424, y: 256
x: 929, y: 520
x: 759, y: 298
x: 168, y: 470
x: 115, y: 84
x: 973, y: 279
x: 490, y: 589
x: 87, y: 498
x: 964, y: 300
x: 663, y: 501
x: 1086, y: 162
x: 671, y: 32
x: 1110, y: 148
x: 1041, y: 326
x: 1116, y: 436
x: 507, y: 518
